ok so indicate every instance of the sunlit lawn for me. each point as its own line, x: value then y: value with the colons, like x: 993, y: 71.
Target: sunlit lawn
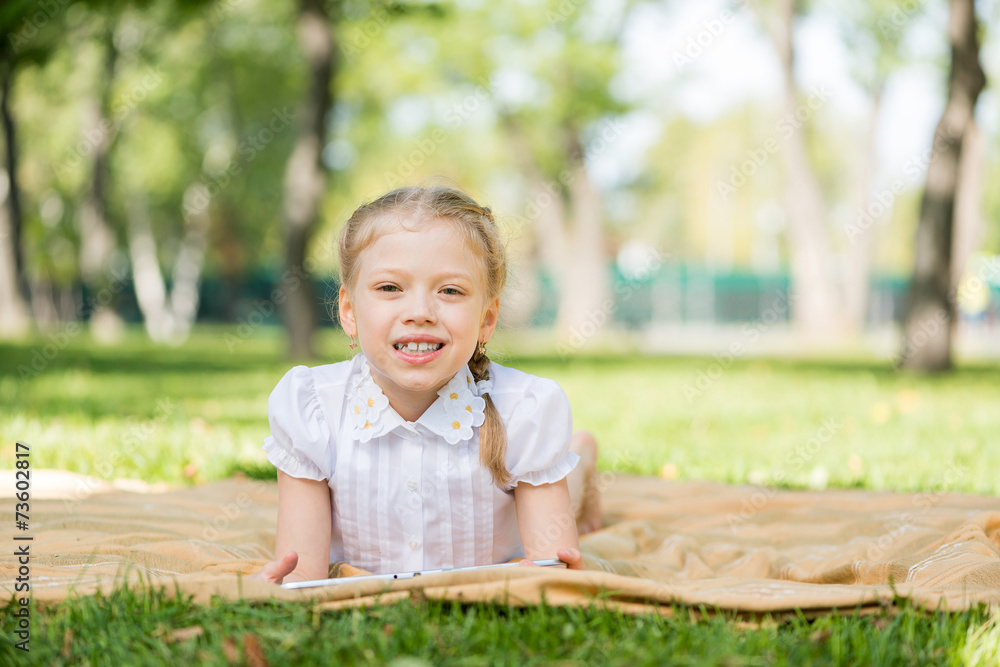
x: 190, y: 414
x: 194, y: 414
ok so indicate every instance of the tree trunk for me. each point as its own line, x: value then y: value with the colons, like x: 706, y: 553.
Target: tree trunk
x: 816, y: 301
x: 969, y: 229
x: 97, y: 239
x: 303, y: 187
x: 567, y: 223
x: 861, y: 230
x: 930, y: 315
x: 14, y: 314
x: 168, y: 317
x: 583, y: 290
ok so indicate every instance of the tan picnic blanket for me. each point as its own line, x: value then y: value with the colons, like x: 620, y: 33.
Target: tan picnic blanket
x: 745, y: 548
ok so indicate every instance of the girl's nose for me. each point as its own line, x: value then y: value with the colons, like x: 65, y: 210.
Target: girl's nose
x: 419, y: 308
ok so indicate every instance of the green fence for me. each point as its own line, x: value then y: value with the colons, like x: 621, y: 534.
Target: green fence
x: 676, y: 293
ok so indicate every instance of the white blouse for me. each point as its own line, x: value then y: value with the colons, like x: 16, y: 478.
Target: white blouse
x: 412, y: 495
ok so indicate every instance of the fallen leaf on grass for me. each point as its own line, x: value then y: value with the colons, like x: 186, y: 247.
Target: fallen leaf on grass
x: 820, y: 636
x: 253, y: 651
x: 184, y: 634
x: 229, y: 650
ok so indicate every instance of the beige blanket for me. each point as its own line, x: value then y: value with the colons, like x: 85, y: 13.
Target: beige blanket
x: 749, y: 549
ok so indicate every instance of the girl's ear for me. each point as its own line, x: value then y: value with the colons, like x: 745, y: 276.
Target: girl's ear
x: 346, y: 314
x: 490, y: 316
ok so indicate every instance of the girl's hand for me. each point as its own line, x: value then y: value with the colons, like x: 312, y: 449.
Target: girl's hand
x: 572, y: 557
x: 275, y: 571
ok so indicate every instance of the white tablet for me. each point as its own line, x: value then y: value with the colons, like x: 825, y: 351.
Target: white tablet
x: 544, y: 562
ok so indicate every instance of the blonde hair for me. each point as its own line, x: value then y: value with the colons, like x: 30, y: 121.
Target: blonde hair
x: 373, y: 219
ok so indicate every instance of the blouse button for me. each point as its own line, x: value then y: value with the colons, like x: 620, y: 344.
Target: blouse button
x: 411, y: 484
x: 414, y: 544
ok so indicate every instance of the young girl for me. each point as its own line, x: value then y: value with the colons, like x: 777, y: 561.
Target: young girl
x: 420, y: 453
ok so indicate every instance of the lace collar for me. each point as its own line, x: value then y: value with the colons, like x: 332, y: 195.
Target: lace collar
x: 458, y: 409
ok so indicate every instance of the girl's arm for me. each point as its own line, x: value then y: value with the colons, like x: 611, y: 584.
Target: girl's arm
x: 303, y: 528
x: 547, y: 523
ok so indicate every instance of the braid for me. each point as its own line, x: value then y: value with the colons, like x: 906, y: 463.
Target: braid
x: 492, y: 435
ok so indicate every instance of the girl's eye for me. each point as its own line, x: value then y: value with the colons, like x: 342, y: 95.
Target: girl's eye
x: 452, y: 291
x: 387, y: 288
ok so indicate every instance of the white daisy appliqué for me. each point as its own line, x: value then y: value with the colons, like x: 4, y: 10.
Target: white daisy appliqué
x: 463, y: 410
x: 453, y: 416
x: 367, y: 405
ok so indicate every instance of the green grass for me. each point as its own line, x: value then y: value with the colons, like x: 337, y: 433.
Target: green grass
x: 197, y: 413
x: 130, y: 627
x: 191, y: 414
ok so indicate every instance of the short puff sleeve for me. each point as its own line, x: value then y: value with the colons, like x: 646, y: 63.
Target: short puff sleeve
x: 539, y: 431
x: 300, y: 443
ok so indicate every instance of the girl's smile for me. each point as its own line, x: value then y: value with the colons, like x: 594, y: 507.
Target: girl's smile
x: 419, y: 308
x: 418, y: 349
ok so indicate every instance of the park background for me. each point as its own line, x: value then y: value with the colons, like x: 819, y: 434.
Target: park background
x: 690, y: 195
x: 665, y: 172
x: 755, y: 242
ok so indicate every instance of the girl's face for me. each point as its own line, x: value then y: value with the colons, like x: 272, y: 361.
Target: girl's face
x: 419, y: 308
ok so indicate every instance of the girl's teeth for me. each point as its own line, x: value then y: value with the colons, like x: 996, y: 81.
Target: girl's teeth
x: 418, y: 348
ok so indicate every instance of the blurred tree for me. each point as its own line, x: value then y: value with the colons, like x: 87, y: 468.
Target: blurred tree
x: 549, y: 69
x: 98, y: 132
x: 119, y: 28
x: 195, y: 179
x: 14, y: 315
x: 930, y: 314
x: 817, y: 303
x: 304, y: 174
x: 873, y: 31
x: 29, y: 37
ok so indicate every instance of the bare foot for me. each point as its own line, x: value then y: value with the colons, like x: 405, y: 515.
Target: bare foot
x: 584, y: 494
